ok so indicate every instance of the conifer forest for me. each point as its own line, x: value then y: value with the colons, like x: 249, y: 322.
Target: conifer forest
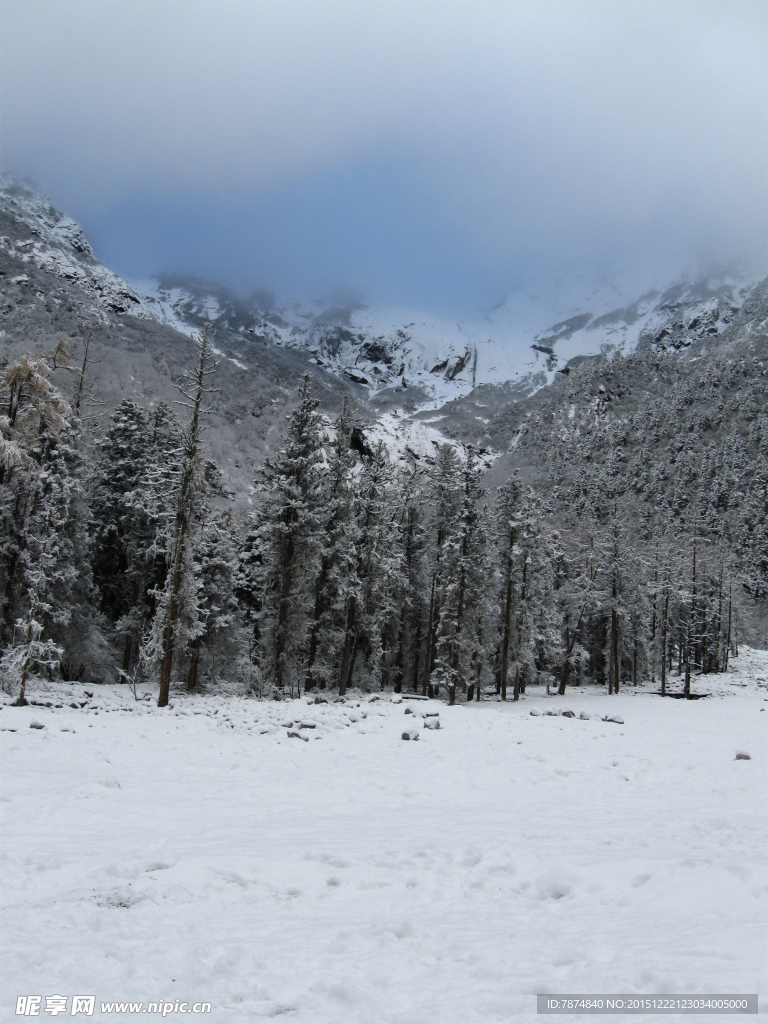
x: 636, y: 558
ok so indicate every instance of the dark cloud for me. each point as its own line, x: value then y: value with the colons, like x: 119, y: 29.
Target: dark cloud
x: 423, y: 151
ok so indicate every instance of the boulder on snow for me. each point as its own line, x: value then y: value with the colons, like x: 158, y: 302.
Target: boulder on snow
x: 432, y: 723
x: 742, y: 755
x: 410, y: 734
x: 567, y: 714
x: 613, y: 718
x: 535, y: 712
x: 36, y: 725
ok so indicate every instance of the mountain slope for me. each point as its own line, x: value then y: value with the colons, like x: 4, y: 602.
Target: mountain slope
x: 525, y: 340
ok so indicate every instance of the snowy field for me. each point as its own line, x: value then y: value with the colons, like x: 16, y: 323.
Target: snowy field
x: 302, y: 861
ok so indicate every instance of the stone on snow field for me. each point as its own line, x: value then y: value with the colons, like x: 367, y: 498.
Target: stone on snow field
x: 298, y: 859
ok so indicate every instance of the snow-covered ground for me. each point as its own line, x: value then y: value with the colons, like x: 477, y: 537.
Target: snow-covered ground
x: 342, y: 875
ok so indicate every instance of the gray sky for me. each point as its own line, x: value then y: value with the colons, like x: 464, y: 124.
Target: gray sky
x: 430, y: 152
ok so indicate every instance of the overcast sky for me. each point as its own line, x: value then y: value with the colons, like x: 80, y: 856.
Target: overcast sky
x: 428, y: 152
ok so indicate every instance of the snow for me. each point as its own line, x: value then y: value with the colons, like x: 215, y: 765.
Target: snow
x: 298, y: 859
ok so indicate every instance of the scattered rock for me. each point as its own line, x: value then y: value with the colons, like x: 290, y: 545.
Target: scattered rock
x: 535, y: 712
x: 613, y: 718
x: 567, y: 714
x: 408, y: 711
x: 742, y: 755
x: 297, y: 735
x: 431, y: 714
x: 307, y: 725
x: 410, y: 734
x: 432, y: 723
x: 589, y: 716
x: 36, y: 725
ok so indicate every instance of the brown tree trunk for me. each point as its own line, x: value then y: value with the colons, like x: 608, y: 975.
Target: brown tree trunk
x: 505, y: 641
x: 429, y: 657
x: 309, y: 679
x: 193, y: 664
x: 664, y: 622
x: 282, y: 616
x: 345, y: 658
x: 169, y: 631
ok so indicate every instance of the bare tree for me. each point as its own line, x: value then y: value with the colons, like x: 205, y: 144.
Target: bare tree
x: 194, y: 387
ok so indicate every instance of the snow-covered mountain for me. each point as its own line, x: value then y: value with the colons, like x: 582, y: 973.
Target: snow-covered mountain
x: 34, y: 233
x: 527, y: 339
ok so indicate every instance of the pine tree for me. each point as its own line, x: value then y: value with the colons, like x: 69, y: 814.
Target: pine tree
x: 365, y: 592
x: 410, y: 539
x: 44, y: 567
x: 459, y: 641
x: 516, y: 542
x: 214, y: 556
x: 136, y: 467
x: 334, y: 516
x: 443, y: 496
x: 283, y: 543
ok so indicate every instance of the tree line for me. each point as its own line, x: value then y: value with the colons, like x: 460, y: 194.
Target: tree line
x: 121, y: 554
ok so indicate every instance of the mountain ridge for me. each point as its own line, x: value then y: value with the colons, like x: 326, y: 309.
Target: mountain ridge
x: 527, y: 339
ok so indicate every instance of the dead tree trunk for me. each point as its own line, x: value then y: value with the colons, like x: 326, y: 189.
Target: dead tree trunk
x: 183, y: 521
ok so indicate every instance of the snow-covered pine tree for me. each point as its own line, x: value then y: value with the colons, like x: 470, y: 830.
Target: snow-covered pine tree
x: 214, y: 555
x: 44, y: 568
x: 365, y: 592
x: 335, y: 522
x: 516, y: 544
x: 459, y: 641
x: 134, y: 471
x: 282, y: 549
x: 578, y: 579
x: 410, y: 535
x: 443, y: 497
